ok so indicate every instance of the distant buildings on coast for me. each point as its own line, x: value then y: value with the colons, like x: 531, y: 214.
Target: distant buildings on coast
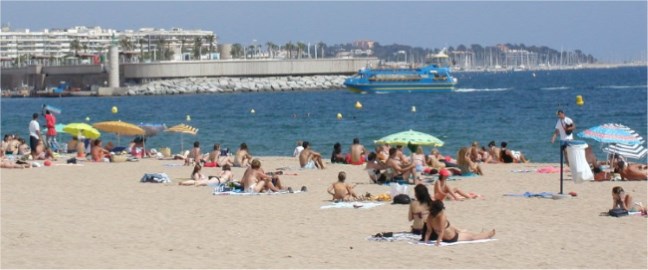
x: 89, y: 45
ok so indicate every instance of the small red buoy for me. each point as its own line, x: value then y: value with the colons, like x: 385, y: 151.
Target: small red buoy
x: 574, y: 194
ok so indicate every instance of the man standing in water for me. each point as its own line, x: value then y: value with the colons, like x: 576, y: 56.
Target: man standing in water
x: 565, y: 128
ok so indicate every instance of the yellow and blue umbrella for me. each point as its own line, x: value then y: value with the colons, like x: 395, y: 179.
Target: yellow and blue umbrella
x: 411, y: 137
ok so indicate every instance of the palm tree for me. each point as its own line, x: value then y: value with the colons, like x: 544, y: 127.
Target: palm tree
x: 289, y: 47
x: 211, y: 39
x: 160, y: 48
x: 270, y: 46
x: 197, y: 48
x: 141, y: 47
x: 322, y: 47
x: 300, y: 49
x: 76, y: 46
x: 127, y: 45
x: 237, y: 50
x: 250, y: 51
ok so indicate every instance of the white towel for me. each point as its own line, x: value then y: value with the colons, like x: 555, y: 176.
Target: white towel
x: 233, y: 193
x: 364, y: 205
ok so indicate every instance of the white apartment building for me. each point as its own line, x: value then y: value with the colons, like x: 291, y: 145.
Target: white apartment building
x: 57, y: 44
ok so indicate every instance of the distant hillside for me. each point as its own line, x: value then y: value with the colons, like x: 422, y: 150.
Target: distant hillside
x: 474, y: 55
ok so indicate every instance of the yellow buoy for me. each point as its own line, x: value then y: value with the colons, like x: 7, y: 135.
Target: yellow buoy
x: 114, y: 109
x: 358, y: 105
x: 339, y: 116
x: 579, y: 100
x: 252, y: 111
x: 188, y: 117
x: 413, y: 108
x: 87, y: 118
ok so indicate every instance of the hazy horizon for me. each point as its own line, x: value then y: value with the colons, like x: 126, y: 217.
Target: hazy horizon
x: 610, y: 31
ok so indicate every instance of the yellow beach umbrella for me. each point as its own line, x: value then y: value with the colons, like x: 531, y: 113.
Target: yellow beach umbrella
x: 84, y: 129
x: 119, y: 128
x: 182, y: 129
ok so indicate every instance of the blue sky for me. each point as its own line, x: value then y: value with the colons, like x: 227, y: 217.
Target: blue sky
x: 611, y: 31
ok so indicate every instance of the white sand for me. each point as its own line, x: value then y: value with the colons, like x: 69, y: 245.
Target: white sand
x: 100, y: 216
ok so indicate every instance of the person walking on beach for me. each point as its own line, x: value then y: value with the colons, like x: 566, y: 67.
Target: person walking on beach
x: 34, y: 134
x: 50, y: 123
x: 564, y: 127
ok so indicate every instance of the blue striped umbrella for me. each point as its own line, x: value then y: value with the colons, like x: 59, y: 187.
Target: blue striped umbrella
x: 612, y: 133
x: 637, y: 151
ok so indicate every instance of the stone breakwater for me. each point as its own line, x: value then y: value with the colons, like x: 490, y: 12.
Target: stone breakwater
x: 235, y: 84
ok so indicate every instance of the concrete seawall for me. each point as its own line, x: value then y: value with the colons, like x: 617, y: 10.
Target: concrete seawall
x: 85, y: 76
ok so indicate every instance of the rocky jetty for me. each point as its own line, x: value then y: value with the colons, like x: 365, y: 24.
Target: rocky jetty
x: 235, y: 84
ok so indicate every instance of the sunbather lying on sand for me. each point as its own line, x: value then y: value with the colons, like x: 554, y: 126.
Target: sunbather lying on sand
x: 438, y: 227
x: 342, y: 191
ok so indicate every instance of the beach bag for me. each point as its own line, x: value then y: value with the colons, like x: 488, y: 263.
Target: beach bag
x: 397, y: 189
x: 155, y: 178
x: 402, y: 199
x: 618, y: 212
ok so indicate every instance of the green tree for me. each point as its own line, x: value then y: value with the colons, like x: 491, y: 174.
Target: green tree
x: 301, y: 47
x: 322, y: 46
x: 289, y: 47
x: 211, y: 39
x: 237, y: 50
x: 141, y: 47
x: 197, y: 47
x: 160, y: 47
x: 75, y: 45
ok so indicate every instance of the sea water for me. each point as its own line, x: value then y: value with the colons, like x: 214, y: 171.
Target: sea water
x: 516, y: 107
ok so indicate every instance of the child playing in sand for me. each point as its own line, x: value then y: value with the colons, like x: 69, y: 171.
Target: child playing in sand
x: 342, y: 191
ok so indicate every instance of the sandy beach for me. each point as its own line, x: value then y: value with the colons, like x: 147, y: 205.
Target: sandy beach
x: 98, y: 215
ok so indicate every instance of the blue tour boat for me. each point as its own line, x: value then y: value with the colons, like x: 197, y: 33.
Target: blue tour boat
x: 435, y: 77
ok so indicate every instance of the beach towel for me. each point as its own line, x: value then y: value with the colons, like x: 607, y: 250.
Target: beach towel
x: 548, y: 169
x: 522, y: 171
x: 444, y: 244
x: 546, y: 195
x: 155, y: 178
x: 173, y: 165
x: 363, y: 205
x: 240, y: 193
x: 415, y: 239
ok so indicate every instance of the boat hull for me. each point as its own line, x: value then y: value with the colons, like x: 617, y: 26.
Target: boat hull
x: 384, y: 88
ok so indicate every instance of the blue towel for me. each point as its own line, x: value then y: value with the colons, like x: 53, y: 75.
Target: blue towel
x: 527, y: 194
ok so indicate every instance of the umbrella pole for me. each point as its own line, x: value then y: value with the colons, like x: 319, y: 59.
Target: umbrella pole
x: 562, y: 150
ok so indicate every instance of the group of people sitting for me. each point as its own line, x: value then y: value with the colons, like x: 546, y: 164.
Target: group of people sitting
x: 254, y: 179
x: 217, y: 157
x: 16, y: 146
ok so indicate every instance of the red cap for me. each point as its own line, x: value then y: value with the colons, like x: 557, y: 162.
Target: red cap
x: 48, y: 163
x: 444, y: 172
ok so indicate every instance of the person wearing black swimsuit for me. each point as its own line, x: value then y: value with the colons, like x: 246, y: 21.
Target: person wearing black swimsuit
x: 438, y: 225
